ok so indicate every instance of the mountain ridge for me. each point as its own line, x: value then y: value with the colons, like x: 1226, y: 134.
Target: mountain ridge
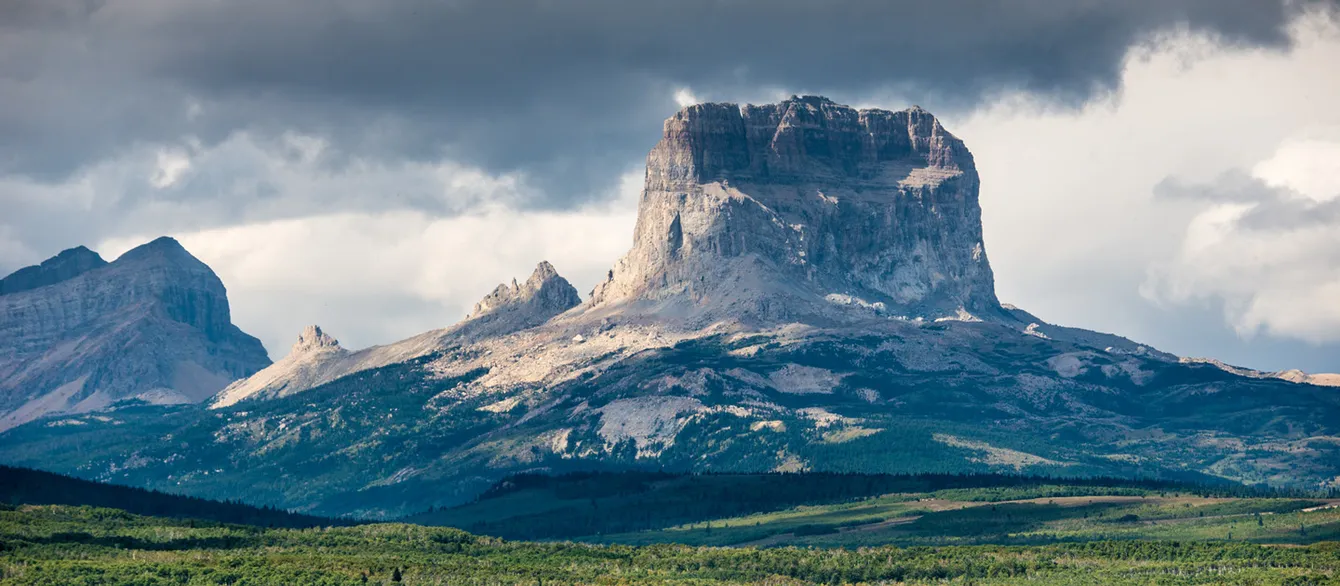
x: 744, y: 331
x: 66, y: 265
x: 318, y: 359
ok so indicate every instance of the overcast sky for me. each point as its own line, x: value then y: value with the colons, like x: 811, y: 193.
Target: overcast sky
x: 1163, y: 170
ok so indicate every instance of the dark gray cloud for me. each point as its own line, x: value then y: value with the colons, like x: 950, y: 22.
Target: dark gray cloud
x: 1275, y: 208
x: 563, y: 91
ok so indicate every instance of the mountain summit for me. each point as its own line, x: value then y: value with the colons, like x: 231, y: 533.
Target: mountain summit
x: 81, y: 334
x: 516, y: 307
x: 767, y: 212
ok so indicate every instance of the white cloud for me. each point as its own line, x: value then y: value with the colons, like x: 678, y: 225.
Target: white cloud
x: 1073, y: 228
x: 685, y: 98
x: 378, y: 277
x: 1310, y: 166
x: 1273, y: 260
x: 171, y: 165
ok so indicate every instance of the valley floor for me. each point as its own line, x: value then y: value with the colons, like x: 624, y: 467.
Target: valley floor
x: 54, y: 544
x: 919, y: 520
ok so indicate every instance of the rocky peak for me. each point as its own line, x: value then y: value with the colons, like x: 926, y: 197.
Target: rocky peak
x: 70, y: 263
x: 758, y: 210
x: 189, y: 291
x: 312, y: 339
x: 156, y: 320
x: 162, y: 250
x: 545, y: 292
x: 316, y: 358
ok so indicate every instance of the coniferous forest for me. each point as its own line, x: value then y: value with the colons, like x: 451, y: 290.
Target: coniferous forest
x: 694, y: 529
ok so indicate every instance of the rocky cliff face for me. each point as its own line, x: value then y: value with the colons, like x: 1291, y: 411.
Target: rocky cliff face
x: 154, y: 324
x: 763, y: 210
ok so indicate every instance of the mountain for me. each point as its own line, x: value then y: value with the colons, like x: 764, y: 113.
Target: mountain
x: 760, y: 212
x: 81, y: 334
x: 304, y: 367
x: 807, y: 289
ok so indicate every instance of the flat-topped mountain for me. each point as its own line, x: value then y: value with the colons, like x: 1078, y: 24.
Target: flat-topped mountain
x: 767, y: 212
x: 80, y: 334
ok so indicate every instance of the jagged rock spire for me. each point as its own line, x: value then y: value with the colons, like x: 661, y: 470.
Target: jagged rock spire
x: 313, y: 338
x: 545, y: 292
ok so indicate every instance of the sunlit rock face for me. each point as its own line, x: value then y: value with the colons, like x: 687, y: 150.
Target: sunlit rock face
x: 514, y: 307
x: 768, y: 211
x: 317, y: 358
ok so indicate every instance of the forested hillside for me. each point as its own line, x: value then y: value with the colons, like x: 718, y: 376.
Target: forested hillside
x: 22, y: 486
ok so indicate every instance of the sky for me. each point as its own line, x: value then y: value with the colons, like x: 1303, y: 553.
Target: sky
x: 1166, y: 171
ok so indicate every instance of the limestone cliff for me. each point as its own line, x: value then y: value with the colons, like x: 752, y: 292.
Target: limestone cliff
x: 760, y: 211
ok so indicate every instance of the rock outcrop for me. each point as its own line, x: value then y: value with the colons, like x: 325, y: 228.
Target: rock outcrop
x: 154, y: 325
x: 768, y: 211
x: 317, y: 358
x: 514, y: 307
x: 308, y: 363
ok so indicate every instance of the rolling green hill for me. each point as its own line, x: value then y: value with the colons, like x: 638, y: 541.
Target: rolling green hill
x: 769, y: 510
x: 926, y: 529
x: 638, y: 505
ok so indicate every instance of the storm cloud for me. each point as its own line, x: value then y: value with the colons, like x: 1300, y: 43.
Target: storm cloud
x: 562, y: 91
x: 376, y: 167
